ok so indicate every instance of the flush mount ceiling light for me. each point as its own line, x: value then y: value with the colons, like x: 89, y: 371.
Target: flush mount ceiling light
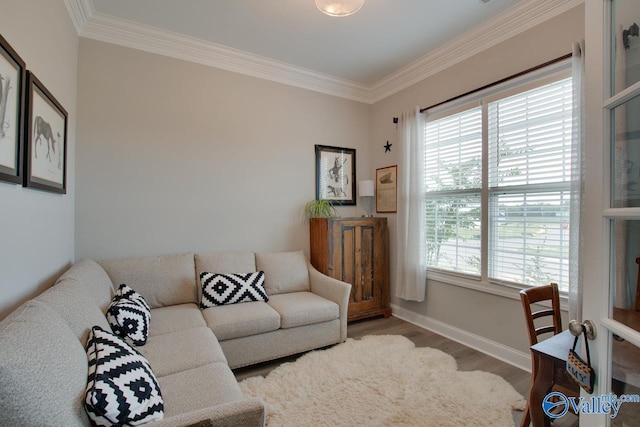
x: 339, y: 7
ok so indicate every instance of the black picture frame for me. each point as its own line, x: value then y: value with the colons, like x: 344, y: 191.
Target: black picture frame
x: 12, y: 113
x: 46, y: 147
x: 336, y: 174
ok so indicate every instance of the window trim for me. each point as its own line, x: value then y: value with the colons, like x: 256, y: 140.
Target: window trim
x: 538, y: 76
x: 505, y: 290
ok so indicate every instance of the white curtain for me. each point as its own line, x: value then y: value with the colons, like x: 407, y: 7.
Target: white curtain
x: 411, y: 269
x: 576, y: 244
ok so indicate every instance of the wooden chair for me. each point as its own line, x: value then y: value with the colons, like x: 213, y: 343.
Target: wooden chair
x: 545, y: 321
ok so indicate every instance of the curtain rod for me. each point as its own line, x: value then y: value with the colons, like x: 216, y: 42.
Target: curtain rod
x: 537, y: 67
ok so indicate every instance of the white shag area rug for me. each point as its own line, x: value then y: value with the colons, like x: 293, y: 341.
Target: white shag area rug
x: 382, y: 380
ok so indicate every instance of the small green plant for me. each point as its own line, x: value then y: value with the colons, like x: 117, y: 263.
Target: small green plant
x: 320, y: 208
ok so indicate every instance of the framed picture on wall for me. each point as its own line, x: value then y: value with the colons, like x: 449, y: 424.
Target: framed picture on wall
x: 336, y: 174
x: 46, y: 147
x: 387, y: 189
x: 12, y: 111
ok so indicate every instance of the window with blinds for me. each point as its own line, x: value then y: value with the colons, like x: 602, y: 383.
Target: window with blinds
x: 453, y: 177
x: 526, y: 136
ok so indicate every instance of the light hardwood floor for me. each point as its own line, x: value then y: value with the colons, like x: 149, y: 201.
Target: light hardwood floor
x: 468, y: 359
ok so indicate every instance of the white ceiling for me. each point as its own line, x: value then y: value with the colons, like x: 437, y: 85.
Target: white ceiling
x: 364, y: 56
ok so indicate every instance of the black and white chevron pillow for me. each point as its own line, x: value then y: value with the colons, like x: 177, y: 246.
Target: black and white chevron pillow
x: 129, y: 316
x: 221, y: 289
x: 121, y: 387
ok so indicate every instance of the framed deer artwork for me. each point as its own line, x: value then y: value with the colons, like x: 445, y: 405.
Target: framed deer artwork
x: 12, y: 110
x: 46, y: 147
x: 336, y: 174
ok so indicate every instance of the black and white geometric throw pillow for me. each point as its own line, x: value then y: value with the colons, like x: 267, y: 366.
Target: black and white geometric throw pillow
x: 129, y: 316
x: 221, y: 289
x: 121, y: 387
x: 125, y: 292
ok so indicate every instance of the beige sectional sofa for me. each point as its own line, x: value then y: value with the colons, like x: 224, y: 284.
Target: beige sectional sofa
x: 43, y: 361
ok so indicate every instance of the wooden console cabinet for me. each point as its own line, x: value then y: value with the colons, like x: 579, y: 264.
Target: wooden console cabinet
x: 355, y: 250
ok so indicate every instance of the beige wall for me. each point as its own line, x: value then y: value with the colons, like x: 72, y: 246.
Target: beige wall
x: 36, y: 228
x: 176, y: 157
x: 497, y: 318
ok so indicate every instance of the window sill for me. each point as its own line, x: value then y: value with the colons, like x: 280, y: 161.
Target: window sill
x: 502, y: 290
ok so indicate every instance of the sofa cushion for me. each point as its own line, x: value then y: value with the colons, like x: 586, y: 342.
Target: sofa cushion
x: 161, y: 280
x: 284, y: 271
x: 241, y: 320
x: 129, y: 316
x: 74, y: 301
x: 92, y: 276
x: 121, y: 387
x: 199, y: 388
x: 223, y: 289
x: 303, y: 308
x: 175, y: 318
x: 43, y: 369
x: 183, y: 350
x: 226, y: 262
x: 238, y: 413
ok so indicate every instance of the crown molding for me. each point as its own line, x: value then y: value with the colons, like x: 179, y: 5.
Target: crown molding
x: 149, y: 39
x: 80, y: 12
x: 525, y: 15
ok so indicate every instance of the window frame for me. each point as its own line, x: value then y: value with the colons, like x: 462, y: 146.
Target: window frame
x: 540, y: 76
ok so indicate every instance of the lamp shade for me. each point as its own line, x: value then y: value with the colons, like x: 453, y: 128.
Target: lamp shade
x: 366, y: 188
x: 339, y: 7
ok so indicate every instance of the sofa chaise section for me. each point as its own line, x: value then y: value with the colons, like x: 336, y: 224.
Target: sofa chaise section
x: 44, y: 365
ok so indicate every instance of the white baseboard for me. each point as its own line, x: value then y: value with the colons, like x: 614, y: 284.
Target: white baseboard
x: 494, y: 349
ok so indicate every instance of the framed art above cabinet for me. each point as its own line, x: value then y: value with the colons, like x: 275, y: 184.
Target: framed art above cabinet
x: 336, y: 174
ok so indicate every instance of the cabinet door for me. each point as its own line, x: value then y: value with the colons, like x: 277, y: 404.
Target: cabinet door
x: 357, y: 246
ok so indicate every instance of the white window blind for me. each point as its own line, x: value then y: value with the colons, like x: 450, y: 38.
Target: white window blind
x: 527, y: 138
x: 529, y: 174
x: 454, y: 184
x: 454, y: 147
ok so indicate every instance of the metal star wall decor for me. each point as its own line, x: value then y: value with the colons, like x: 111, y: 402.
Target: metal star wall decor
x: 387, y: 147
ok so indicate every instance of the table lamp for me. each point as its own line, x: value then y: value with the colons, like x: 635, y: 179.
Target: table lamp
x: 367, y: 193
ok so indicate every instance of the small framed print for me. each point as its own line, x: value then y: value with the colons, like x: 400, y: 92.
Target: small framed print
x: 336, y: 174
x: 12, y: 112
x: 387, y: 189
x: 46, y: 147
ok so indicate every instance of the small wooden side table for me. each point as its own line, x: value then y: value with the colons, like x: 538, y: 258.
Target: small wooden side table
x: 552, y: 360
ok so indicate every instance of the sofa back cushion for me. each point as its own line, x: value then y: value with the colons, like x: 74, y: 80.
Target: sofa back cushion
x: 43, y: 369
x: 162, y: 280
x: 73, y: 301
x: 284, y: 272
x: 226, y: 262
x: 94, y: 279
